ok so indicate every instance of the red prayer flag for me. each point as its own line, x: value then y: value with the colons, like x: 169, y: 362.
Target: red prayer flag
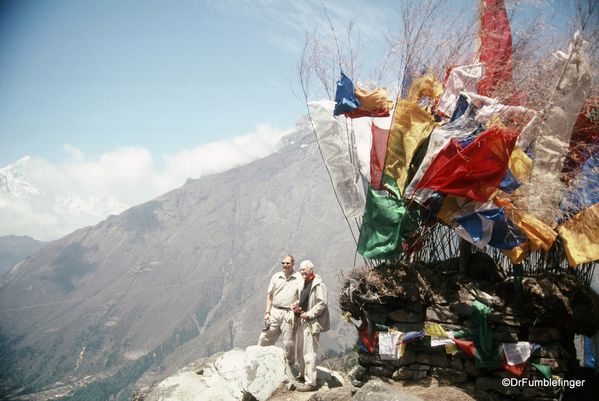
x: 357, y: 113
x: 369, y: 341
x: 496, y: 50
x: 515, y: 369
x: 466, y: 346
x: 377, y: 155
x: 474, y: 172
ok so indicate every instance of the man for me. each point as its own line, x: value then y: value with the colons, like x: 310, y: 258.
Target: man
x: 314, y: 320
x: 283, y: 292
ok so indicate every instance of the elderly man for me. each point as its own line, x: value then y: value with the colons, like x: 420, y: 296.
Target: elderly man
x: 312, y: 305
x: 283, y: 292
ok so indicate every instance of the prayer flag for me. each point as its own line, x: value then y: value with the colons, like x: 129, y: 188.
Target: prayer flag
x: 474, y: 172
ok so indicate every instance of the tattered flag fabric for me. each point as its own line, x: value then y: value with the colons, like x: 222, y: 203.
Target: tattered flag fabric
x: 411, y: 126
x: 581, y: 236
x: 492, y: 226
x: 377, y: 100
x: 459, y: 129
x: 425, y: 86
x: 389, y: 345
x: 553, y: 142
x: 378, y: 151
x: 336, y: 159
x: 345, y: 96
x: 516, y: 353
x: 496, y: 51
x: 460, y: 79
x: 474, y: 172
x: 359, y: 113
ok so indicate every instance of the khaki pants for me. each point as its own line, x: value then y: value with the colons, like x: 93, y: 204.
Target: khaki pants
x: 281, y: 322
x: 306, y: 353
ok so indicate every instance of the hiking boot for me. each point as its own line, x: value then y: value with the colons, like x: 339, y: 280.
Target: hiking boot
x: 305, y: 387
x: 299, y: 378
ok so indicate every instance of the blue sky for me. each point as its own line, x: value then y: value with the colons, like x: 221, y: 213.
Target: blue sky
x: 164, y: 75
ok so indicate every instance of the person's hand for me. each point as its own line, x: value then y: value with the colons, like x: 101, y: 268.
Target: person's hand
x: 304, y: 316
x: 267, y: 316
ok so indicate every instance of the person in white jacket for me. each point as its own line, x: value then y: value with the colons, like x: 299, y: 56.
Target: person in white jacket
x: 315, y: 319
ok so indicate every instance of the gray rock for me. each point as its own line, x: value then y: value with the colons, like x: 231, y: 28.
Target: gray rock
x: 433, y: 359
x: 330, y: 379
x: 407, y: 327
x: 419, y: 374
x: 462, y: 308
x: 264, y: 370
x: 419, y: 366
x: 202, y: 380
x: 471, y: 369
x: 494, y: 383
x: 449, y: 374
x: 379, y: 391
x: 548, y: 352
x: 441, y: 314
x: 405, y: 316
x: 403, y: 373
x: 409, y: 356
x: 380, y: 371
x: 359, y: 373
x: 505, y: 337
x: 335, y: 394
x: 510, y: 320
x: 457, y: 363
x: 370, y: 360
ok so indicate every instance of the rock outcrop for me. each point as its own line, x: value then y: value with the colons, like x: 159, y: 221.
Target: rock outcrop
x: 255, y: 373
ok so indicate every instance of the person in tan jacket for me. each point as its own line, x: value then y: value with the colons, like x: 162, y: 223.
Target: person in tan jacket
x: 283, y: 293
x: 315, y: 319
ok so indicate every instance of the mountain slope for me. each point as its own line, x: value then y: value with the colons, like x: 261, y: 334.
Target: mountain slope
x: 14, y: 249
x: 179, y: 277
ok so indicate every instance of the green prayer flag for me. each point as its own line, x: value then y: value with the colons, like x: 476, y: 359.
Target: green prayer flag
x: 486, y: 360
x: 386, y: 221
x: 478, y: 318
x: 544, y: 369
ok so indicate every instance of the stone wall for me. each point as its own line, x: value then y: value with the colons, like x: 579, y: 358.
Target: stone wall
x: 512, y: 321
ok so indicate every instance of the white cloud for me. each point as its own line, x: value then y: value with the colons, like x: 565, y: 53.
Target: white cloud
x: 223, y: 155
x: 81, y: 191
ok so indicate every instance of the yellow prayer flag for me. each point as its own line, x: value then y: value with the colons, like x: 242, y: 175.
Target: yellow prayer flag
x: 581, y: 236
x: 378, y: 99
x: 411, y: 126
x: 426, y: 85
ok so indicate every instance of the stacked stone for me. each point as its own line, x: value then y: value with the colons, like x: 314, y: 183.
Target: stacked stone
x: 511, y: 325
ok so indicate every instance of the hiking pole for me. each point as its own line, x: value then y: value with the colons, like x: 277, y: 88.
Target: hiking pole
x: 314, y: 337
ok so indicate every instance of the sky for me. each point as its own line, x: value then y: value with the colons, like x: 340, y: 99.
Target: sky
x: 126, y: 100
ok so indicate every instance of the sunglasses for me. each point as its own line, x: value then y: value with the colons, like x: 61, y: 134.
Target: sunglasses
x: 286, y: 263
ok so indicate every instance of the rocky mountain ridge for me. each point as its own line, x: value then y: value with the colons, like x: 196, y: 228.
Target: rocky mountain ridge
x: 13, y: 249
x: 176, y: 278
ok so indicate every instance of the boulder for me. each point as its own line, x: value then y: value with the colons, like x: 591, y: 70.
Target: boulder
x: 197, y: 381
x: 231, y: 376
x: 264, y: 371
